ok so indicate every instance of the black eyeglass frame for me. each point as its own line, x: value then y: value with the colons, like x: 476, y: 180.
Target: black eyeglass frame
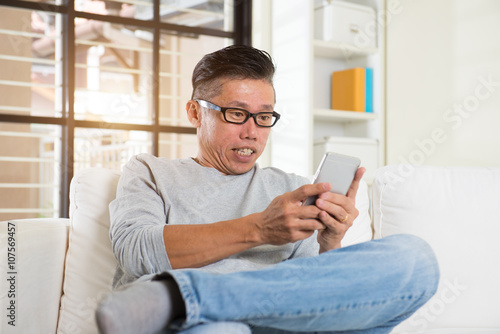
x: 210, y: 105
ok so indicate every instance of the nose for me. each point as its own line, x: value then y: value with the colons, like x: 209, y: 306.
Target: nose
x: 249, y: 129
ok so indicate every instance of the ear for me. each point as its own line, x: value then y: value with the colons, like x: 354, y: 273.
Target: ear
x: 193, y: 113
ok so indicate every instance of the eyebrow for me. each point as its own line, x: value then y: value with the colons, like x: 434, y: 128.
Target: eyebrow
x: 243, y: 105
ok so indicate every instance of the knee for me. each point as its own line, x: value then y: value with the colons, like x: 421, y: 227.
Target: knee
x: 415, y: 257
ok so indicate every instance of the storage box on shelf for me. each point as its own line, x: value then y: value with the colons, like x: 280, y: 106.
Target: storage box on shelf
x: 344, y: 22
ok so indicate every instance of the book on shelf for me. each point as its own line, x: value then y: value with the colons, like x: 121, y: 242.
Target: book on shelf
x: 352, y: 90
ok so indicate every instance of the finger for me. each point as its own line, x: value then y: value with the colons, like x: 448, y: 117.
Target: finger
x: 310, y: 212
x: 339, y: 210
x: 327, y: 220
x: 311, y: 224
x: 335, y: 222
x: 308, y: 190
x: 331, y: 223
x: 353, y: 189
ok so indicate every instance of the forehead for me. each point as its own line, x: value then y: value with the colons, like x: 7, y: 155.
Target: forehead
x: 249, y: 92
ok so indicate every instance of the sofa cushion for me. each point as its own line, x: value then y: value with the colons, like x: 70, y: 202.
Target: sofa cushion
x: 90, y: 263
x: 457, y: 210
x: 33, y: 252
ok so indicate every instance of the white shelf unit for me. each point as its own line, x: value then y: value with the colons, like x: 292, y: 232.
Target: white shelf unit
x: 303, y: 86
x: 342, y: 116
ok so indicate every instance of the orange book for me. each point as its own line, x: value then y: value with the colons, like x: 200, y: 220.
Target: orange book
x: 348, y: 89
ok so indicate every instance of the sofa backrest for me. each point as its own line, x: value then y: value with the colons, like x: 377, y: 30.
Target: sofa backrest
x: 456, y: 210
x: 361, y: 229
x: 90, y: 263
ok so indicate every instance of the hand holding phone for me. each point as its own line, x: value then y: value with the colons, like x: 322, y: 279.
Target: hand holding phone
x: 337, y: 169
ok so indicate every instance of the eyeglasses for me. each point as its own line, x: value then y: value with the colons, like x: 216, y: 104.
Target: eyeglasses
x: 240, y: 116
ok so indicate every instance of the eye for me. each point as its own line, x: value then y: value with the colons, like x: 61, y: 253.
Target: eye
x: 264, y: 117
x: 236, y: 115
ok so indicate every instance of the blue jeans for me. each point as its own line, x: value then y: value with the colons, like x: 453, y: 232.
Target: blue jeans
x: 365, y: 288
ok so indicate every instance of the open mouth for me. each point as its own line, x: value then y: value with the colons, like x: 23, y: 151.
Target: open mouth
x: 244, y: 151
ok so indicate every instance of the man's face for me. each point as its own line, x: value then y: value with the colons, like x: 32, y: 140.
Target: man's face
x: 234, y: 148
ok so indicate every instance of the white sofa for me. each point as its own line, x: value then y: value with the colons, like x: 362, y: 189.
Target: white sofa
x: 62, y: 267
x: 456, y: 210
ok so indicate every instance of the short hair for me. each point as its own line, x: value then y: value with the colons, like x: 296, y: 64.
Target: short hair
x: 233, y: 62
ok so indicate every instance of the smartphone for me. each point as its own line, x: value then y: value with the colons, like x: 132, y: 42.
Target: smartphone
x: 339, y: 170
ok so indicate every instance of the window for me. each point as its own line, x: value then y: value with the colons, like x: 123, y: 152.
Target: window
x: 89, y: 83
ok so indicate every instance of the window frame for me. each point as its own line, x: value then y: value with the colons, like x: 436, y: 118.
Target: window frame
x: 241, y: 34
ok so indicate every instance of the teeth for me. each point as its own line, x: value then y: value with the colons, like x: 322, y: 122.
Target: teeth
x: 244, y: 151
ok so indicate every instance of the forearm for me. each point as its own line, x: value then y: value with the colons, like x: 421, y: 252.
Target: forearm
x: 283, y: 221
x: 193, y: 246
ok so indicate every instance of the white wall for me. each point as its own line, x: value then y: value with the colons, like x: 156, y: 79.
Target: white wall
x: 261, y: 39
x: 443, y: 82
x: 291, y: 141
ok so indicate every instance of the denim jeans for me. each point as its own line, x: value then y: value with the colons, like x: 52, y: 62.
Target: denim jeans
x: 365, y: 288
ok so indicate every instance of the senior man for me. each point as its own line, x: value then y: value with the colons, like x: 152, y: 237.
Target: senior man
x: 216, y: 244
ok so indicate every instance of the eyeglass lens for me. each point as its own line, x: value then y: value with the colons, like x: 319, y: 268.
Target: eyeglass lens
x: 240, y: 116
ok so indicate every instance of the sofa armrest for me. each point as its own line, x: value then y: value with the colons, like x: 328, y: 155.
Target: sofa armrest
x: 33, y: 253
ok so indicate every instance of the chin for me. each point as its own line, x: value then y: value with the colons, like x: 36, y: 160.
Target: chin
x: 242, y: 169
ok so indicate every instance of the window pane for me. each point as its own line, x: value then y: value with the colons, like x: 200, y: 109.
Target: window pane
x: 52, y: 2
x: 30, y: 165
x: 113, y: 83
x: 113, y: 74
x: 178, y: 57
x: 139, y: 9
x: 213, y: 14
x: 108, y: 148
x: 30, y: 62
x: 178, y: 146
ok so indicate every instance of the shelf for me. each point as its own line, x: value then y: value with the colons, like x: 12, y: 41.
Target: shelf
x: 340, y: 50
x: 342, y: 116
x: 313, y: 69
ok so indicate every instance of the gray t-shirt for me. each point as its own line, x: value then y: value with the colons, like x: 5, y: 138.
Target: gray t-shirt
x: 155, y: 191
